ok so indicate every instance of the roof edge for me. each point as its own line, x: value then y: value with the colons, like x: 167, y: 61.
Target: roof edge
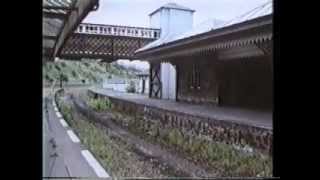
x: 153, y: 12
x: 204, y: 35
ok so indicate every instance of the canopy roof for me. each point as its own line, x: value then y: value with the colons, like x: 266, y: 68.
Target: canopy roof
x: 246, y: 34
x: 60, y: 18
x: 211, y: 25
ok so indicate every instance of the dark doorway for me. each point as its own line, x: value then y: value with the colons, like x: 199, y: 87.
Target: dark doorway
x: 246, y: 83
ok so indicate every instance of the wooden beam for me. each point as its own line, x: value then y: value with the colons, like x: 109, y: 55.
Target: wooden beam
x: 74, y: 19
x: 57, y: 8
x: 49, y: 37
x: 54, y: 15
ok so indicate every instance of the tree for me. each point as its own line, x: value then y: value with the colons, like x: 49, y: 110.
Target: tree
x: 63, y: 78
x: 63, y: 64
x: 57, y: 67
x: 74, y: 74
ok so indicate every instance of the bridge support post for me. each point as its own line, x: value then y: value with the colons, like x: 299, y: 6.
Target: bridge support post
x: 155, y: 87
x: 150, y: 79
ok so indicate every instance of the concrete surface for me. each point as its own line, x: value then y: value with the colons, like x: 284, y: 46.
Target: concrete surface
x: 246, y: 116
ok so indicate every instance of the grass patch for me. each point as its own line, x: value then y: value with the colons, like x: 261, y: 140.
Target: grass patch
x: 99, y: 104
x: 114, y: 155
x: 221, y: 157
x: 224, y: 158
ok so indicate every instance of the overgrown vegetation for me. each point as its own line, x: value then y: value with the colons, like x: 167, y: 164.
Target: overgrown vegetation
x: 215, y: 156
x: 114, y: 155
x: 220, y: 156
x: 99, y: 104
x: 224, y: 158
x: 57, y: 67
x: 74, y: 74
x: 91, y: 72
x: 63, y: 64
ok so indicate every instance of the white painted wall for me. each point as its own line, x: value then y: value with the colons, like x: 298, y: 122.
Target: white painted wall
x: 172, y: 21
x: 115, y: 87
x: 179, y: 21
x: 155, y: 20
x: 168, y: 79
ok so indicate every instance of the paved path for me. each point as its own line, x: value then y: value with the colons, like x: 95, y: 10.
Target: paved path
x: 245, y: 116
x: 71, y: 159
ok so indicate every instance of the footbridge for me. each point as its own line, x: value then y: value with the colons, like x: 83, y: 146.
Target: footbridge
x: 65, y: 37
x: 107, y: 42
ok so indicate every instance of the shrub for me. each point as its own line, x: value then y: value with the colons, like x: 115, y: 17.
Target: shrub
x: 64, y: 78
x: 57, y: 67
x: 47, y: 77
x: 63, y: 64
x: 86, y: 64
x: 74, y: 74
x: 100, y: 104
x: 67, y: 113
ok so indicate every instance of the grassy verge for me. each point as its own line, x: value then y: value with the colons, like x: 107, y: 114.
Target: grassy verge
x: 224, y: 158
x: 221, y: 157
x: 114, y: 155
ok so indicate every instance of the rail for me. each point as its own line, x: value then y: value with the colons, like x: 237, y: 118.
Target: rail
x: 86, y: 28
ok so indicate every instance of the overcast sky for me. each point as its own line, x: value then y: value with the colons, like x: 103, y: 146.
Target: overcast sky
x: 135, y: 12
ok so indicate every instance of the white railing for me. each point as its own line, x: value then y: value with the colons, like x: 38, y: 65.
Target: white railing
x: 118, y: 31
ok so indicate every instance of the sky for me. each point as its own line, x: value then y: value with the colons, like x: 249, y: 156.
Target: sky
x: 135, y: 12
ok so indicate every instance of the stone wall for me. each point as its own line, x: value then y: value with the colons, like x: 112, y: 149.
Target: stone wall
x: 156, y: 122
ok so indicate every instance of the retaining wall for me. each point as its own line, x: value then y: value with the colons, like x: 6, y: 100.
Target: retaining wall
x: 156, y: 121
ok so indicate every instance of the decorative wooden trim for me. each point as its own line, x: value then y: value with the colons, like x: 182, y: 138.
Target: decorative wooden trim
x: 97, y: 46
x: 235, y: 35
